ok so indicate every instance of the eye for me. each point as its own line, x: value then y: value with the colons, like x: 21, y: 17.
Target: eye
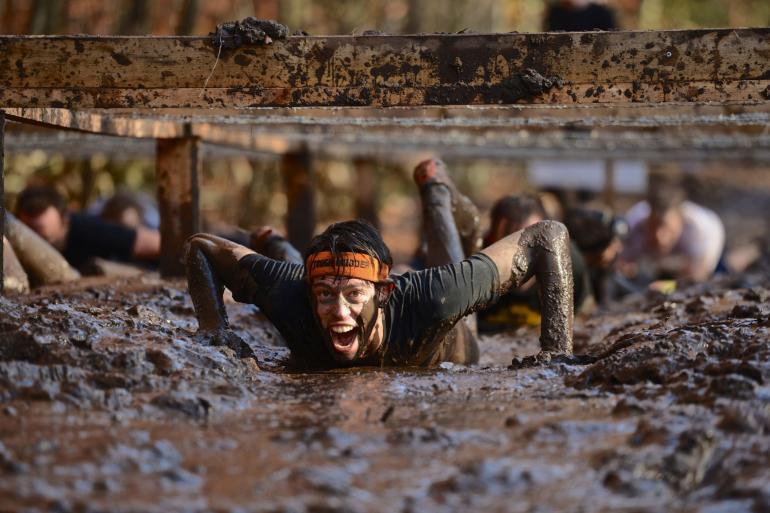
x: 356, y: 296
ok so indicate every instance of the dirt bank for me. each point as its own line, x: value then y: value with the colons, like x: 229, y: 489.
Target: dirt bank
x: 107, y: 403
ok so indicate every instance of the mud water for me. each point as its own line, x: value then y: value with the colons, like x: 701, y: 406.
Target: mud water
x: 108, y: 403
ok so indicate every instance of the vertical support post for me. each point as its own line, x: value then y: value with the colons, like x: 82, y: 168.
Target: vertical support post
x: 177, y: 170
x: 365, y: 191
x: 299, y: 181
x: 2, y: 200
x: 609, y: 183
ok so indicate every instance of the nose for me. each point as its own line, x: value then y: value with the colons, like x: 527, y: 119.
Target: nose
x: 340, y: 309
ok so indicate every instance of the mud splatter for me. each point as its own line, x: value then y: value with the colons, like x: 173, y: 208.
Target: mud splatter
x: 248, y: 31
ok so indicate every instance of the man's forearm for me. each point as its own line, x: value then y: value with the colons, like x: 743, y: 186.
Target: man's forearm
x: 543, y: 251
x: 205, y: 288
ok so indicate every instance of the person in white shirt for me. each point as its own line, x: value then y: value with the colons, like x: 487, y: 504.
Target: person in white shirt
x: 671, y: 238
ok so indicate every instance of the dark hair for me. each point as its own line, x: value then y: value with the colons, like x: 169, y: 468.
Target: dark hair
x: 664, y: 191
x: 36, y: 199
x: 357, y: 236
x: 593, y: 229
x: 517, y: 208
x: 120, y: 202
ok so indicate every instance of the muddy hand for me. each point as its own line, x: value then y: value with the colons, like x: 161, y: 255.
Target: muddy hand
x: 225, y: 337
x: 550, y: 357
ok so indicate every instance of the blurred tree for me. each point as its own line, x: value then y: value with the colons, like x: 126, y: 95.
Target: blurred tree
x: 187, y: 17
x: 134, y: 18
x: 48, y: 17
x: 320, y: 17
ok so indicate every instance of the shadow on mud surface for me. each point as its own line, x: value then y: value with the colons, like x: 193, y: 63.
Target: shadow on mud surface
x: 109, y: 404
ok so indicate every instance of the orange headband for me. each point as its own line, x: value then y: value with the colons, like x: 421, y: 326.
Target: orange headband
x: 349, y: 265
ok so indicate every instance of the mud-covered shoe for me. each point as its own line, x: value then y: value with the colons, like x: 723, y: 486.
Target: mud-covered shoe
x: 225, y: 337
x: 265, y: 240
x: 465, y: 213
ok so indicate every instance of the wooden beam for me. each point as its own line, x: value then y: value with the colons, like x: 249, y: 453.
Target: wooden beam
x: 214, y: 126
x: 609, y: 183
x: 299, y: 180
x: 461, y: 69
x: 178, y: 168
x: 365, y: 190
x: 346, y: 143
x: 98, y: 122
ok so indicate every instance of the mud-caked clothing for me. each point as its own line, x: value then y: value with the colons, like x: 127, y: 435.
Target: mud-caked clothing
x: 422, y: 309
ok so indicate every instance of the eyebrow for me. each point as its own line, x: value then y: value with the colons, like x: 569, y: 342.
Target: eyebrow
x: 344, y: 288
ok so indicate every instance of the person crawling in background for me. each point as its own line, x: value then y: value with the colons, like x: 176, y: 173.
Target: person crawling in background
x: 47, y: 244
x: 522, y: 305
x: 341, y: 306
x: 80, y: 237
x: 670, y: 238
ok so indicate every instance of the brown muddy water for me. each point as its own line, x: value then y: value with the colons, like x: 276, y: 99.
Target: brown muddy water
x: 107, y: 403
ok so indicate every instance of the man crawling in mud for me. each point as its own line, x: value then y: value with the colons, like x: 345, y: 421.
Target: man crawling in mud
x: 344, y: 308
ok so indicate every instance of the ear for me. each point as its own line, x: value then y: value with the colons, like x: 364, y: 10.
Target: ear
x: 383, y: 290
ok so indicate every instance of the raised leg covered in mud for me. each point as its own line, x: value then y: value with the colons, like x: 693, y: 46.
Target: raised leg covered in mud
x: 450, y: 225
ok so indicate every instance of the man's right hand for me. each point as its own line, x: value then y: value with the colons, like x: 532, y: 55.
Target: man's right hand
x: 226, y: 337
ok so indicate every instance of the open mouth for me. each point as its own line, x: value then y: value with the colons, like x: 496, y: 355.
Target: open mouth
x: 344, y: 338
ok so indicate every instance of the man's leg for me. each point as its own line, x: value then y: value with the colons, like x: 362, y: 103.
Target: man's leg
x: 451, y: 220
x: 443, y: 209
x: 266, y: 241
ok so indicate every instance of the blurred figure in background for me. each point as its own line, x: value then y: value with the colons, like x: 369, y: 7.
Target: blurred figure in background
x: 80, y: 237
x: 129, y: 208
x: 579, y: 16
x: 521, y: 306
x: 599, y: 235
x: 671, y: 238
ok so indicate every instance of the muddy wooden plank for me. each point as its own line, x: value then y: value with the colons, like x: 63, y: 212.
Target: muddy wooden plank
x: 453, y: 94
x: 459, y: 115
x: 100, y: 122
x: 178, y: 168
x: 617, y: 67
x: 211, y: 125
x: 742, y: 139
x: 299, y: 181
x: 365, y: 190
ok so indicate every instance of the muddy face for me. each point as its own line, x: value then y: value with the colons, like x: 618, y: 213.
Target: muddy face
x: 346, y: 311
